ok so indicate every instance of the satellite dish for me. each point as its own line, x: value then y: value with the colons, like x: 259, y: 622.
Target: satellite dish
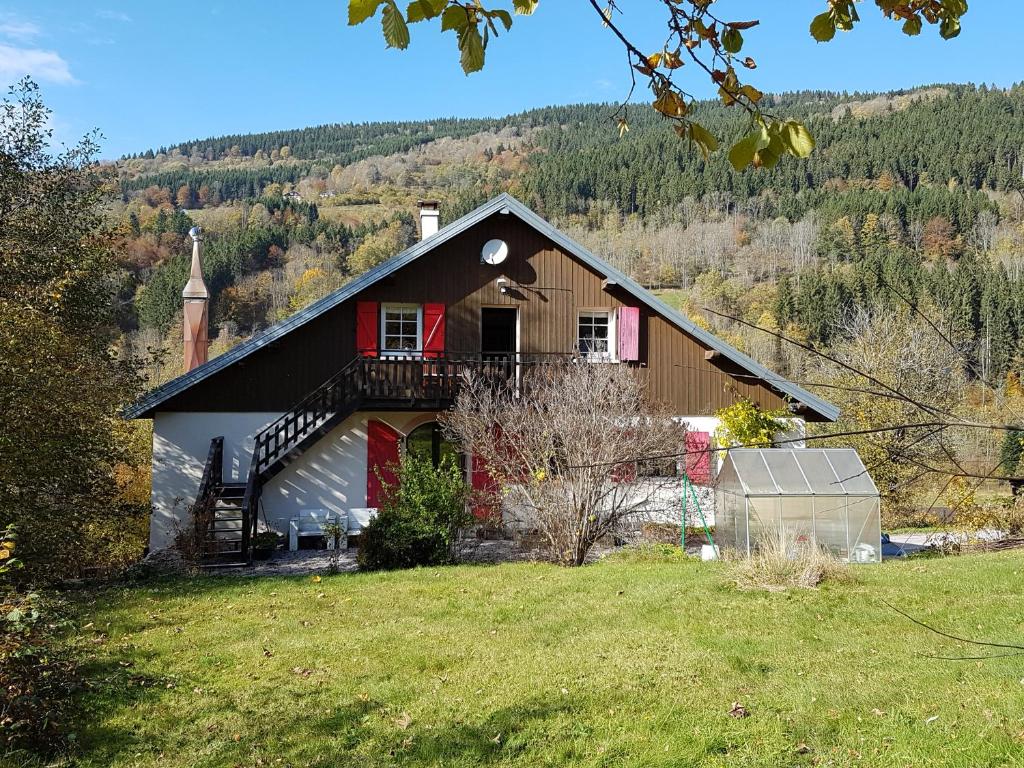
x: 494, y: 252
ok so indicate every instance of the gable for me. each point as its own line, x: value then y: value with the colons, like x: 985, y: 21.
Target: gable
x: 550, y: 278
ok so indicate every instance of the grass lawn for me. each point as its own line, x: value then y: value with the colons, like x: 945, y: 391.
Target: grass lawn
x: 628, y: 662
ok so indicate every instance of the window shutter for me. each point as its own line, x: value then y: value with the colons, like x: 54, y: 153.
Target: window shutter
x: 433, y: 330
x: 367, y: 321
x: 382, y: 458
x: 629, y: 333
x: 698, y: 457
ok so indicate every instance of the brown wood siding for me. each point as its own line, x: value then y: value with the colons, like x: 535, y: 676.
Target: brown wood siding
x: 547, y: 285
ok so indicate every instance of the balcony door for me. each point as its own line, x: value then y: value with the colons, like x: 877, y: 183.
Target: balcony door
x: 499, y: 339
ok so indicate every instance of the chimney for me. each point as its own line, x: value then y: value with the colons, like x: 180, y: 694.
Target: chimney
x: 430, y: 217
x: 197, y: 299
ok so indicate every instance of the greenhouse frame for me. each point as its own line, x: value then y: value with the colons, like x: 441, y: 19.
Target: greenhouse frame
x: 824, y: 496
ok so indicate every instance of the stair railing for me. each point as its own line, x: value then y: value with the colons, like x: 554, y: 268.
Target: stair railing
x: 213, y: 472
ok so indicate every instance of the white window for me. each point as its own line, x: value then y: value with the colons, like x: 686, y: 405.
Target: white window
x: 595, y: 334
x: 401, y: 329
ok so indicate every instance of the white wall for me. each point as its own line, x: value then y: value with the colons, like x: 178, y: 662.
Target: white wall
x: 330, y: 475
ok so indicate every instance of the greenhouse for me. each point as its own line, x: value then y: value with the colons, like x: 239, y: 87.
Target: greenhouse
x: 823, y: 496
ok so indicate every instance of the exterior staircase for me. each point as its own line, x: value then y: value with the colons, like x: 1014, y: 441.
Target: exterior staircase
x: 228, y: 512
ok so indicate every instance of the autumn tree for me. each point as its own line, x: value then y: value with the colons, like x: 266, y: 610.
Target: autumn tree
x: 62, y: 443
x: 562, y: 446
x: 696, y: 33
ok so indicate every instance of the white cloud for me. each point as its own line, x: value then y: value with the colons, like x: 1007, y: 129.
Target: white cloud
x: 19, y: 30
x: 114, y: 15
x: 48, y: 66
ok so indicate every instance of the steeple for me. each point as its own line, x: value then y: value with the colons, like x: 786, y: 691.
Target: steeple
x: 197, y: 299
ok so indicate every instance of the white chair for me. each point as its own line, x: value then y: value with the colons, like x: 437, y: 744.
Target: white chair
x: 359, y: 518
x: 311, y: 522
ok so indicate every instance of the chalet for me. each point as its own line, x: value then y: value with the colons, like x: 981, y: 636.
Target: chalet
x: 305, y: 414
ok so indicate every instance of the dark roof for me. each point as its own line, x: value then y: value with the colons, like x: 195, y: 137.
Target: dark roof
x: 503, y: 203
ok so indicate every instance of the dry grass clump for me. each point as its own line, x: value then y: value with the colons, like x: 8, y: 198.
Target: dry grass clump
x: 787, y: 561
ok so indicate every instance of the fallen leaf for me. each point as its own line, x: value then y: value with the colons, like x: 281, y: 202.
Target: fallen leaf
x: 404, y: 721
x: 802, y: 749
x: 268, y: 653
x: 738, y: 710
x: 315, y: 579
x: 931, y: 719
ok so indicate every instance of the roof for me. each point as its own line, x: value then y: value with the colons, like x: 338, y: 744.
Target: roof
x: 795, y: 472
x: 505, y: 204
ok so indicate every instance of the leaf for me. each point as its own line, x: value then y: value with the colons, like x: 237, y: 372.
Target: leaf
x: 797, y: 138
x: 743, y: 24
x: 420, y: 10
x: 703, y: 138
x: 396, y: 31
x: 525, y: 7
x: 751, y: 93
x: 360, y: 10
x: 823, y: 28
x: 454, y: 17
x: 671, y: 60
x: 654, y: 60
x: 732, y: 40
x: 769, y: 155
x: 623, y: 126
x: 949, y: 28
x: 742, y: 153
x: 749, y: 63
x: 472, y: 47
x: 912, y: 26
x: 504, y: 16
x: 670, y: 104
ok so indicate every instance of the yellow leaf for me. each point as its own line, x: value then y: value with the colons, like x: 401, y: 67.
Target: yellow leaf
x: 315, y: 579
x: 670, y: 104
x: 751, y: 93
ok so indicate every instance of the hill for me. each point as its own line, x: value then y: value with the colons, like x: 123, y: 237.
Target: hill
x: 937, y: 173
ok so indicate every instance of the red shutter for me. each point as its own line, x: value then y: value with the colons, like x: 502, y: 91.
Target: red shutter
x: 367, y: 320
x: 629, y: 333
x: 698, y: 457
x: 485, y: 490
x: 433, y: 330
x: 381, y: 460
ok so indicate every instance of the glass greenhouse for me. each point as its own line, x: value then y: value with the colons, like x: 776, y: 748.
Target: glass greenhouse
x: 821, y: 495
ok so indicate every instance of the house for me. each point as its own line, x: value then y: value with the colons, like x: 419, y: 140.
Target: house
x: 309, y: 413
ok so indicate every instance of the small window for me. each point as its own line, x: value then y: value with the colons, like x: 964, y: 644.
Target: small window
x: 595, y: 335
x: 401, y: 329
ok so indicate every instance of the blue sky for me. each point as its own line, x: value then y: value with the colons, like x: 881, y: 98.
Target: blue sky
x: 154, y: 73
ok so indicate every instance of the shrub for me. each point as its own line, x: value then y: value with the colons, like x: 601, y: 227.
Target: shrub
x: 37, y: 677
x: 420, y: 519
x: 785, y: 561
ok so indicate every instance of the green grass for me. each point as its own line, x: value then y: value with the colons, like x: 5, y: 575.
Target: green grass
x: 633, y: 661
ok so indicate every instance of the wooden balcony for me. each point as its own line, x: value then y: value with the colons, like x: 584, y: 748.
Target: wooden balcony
x: 415, y: 381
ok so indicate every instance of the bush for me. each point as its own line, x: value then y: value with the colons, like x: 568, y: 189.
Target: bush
x: 786, y: 561
x: 420, y: 519
x: 37, y: 678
